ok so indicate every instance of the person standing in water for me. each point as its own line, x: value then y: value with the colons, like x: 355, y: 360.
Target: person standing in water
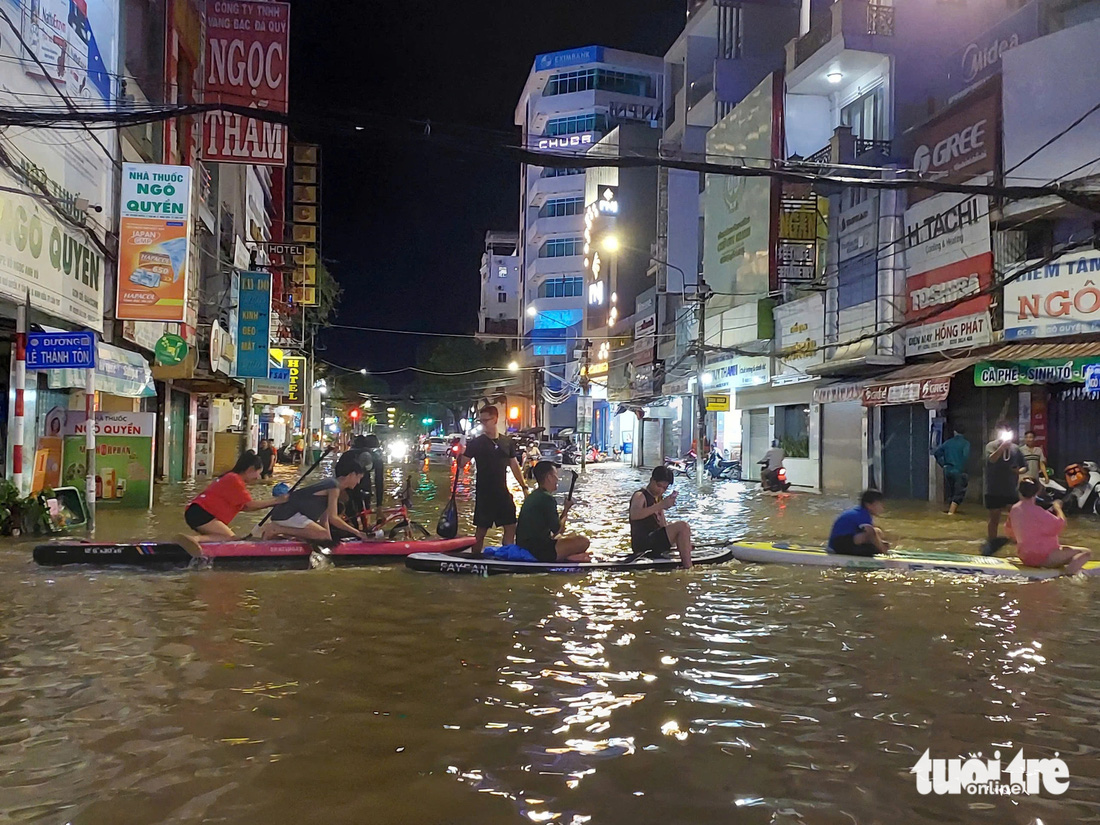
x: 494, y: 455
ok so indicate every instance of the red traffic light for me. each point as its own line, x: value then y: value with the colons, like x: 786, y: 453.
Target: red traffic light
x: 354, y: 414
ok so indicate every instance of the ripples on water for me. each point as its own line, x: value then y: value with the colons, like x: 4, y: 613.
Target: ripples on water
x: 724, y: 694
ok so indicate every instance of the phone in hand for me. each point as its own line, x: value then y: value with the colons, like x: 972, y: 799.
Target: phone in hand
x: 1006, y: 435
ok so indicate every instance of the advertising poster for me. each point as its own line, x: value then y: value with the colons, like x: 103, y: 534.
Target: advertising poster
x: 247, y: 49
x: 253, y: 324
x: 297, y: 366
x: 799, y: 339
x: 154, y: 231
x: 124, y: 457
x: 966, y: 323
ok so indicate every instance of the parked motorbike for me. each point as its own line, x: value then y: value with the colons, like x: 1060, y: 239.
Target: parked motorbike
x: 682, y: 466
x: 1082, y: 488
x: 720, y: 468
x: 773, y: 481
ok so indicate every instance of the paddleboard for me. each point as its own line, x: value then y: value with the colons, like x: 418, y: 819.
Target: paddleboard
x: 467, y: 565
x: 280, y: 553
x: 768, y: 552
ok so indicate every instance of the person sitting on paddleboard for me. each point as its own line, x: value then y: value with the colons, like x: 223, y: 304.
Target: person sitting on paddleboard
x: 1036, y: 532
x: 854, y: 532
x: 311, y: 512
x: 650, y: 532
x: 211, y: 510
x: 494, y: 455
x: 540, y: 530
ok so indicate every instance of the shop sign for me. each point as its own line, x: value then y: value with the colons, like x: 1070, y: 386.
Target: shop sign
x: 296, y: 365
x: 1032, y: 371
x: 569, y: 57
x: 959, y: 145
x: 584, y: 414
x: 1061, y: 298
x: 645, y: 340
x: 1092, y: 378
x: 170, y: 350
x: 123, y: 456
x: 965, y: 322
x: 857, y: 229
x: 799, y: 339
x: 583, y: 141
x: 946, y: 229
x: 981, y: 57
x: 253, y: 324
x: 117, y: 372
x: 247, y: 49
x: 717, y: 401
x: 838, y: 393
x: 154, y: 232
x: 743, y: 371
x: 907, y: 392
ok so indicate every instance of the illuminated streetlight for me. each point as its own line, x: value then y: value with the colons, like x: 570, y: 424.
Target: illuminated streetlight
x: 532, y: 312
x: 611, y: 244
x: 513, y: 366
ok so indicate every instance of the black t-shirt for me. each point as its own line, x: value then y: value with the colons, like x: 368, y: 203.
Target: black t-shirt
x: 493, y: 457
x: 305, y: 500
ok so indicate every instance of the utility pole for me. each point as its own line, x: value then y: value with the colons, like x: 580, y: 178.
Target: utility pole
x: 700, y: 368
x: 585, y: 384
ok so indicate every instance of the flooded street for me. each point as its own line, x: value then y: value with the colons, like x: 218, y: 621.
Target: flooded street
x: 725, y: 694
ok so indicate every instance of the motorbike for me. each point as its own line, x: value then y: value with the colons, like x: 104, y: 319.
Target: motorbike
x: 720, y: 468
x: 682, y: 466
x: 773, y: 481
x: 1082, y: 488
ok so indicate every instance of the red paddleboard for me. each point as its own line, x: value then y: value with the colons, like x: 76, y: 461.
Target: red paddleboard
x: 344, y: 550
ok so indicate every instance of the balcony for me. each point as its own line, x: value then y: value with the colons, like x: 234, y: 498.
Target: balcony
x: 502, y: 326
x: 540, y: 189
x: 855, y: 24
x: 844, y: 148
x: 554, y: 267
x: 572, y: 225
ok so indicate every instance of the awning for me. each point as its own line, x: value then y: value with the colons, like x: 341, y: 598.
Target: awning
x: 916, y: 383
x: 117, y: 372
x: 839, y: 391
x: 1026, y: 364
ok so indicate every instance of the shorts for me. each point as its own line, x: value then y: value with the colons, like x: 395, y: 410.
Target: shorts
x: 846, y: 546
x: 999, y: 502
x: 655, y: 543
x: 546, y: 552
x: 196, y: 517
x: 295, y: 522
x: 494, y: 510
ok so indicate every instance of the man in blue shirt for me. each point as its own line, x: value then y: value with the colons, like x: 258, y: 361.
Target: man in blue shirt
x: 854, y: 532
x: 954, y: 455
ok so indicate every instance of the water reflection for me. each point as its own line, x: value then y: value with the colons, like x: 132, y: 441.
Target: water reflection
x: 740, y: 693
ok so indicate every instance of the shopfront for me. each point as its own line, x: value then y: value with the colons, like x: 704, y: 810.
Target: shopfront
x: 844, y: 452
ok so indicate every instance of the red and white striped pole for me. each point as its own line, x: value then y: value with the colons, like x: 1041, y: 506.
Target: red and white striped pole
x: 20, y: 386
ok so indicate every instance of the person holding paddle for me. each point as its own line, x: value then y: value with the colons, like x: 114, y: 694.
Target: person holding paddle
x: 540, y: 531
x: 211, y: 510
x: 494, y: 455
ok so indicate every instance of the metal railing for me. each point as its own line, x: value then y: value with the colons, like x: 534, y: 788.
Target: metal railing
x: 821, y: 155
x: 880, y: 19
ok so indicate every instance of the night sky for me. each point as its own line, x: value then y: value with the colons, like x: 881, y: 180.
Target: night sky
x: 404, y: 219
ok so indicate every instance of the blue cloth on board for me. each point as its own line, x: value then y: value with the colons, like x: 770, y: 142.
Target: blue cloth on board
x: 509, y: 552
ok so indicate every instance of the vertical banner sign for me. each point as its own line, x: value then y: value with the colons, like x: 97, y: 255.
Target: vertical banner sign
x: 253, y: 324
x: 305, y: 228
x: 247, y: 49
x: 297, y: 366
x: 154, y: 232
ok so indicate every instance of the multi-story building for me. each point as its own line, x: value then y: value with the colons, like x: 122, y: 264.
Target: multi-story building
x: 570, y: 101
x: 498, y: 316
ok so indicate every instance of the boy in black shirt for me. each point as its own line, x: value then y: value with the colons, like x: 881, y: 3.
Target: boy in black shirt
x: 494, y: 454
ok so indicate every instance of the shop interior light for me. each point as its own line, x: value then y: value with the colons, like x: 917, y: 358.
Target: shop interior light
x: 834, y: 76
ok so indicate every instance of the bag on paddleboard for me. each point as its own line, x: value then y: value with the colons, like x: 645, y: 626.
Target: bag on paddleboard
x: 447, y: 526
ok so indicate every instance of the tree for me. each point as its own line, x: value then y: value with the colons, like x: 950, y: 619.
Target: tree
x: 460, y: 372
x: 328, y: 297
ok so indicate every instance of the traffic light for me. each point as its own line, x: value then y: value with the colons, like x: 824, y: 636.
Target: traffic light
x: 427, y: 422
x: 354, y: 413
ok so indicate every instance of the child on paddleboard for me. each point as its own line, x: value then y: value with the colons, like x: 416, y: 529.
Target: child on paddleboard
x: 211, y: 510
x: 650, y: 532
x: 1036, y: 532
x: 854, y: 532
x: 540, y: 529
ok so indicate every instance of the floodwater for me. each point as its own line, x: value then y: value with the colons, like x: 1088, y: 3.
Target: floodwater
x: 725, y: 694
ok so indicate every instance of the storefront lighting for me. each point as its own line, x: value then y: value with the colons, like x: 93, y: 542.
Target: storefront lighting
x: 708, y: 379
x: 834, y: 77
x: 513, y: 366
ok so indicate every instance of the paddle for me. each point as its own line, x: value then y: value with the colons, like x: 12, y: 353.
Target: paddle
x: 447, y: 526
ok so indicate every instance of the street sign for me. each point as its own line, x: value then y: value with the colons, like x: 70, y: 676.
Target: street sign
x: 60, y: 350
x: 1092, y: 378
x: 717, y: 401
x: 584, y: 414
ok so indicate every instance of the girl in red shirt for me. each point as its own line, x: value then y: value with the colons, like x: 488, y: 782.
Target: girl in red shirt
x: 212, y: 510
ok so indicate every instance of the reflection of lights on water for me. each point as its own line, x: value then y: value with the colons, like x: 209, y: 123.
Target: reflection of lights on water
x: 673, y: 729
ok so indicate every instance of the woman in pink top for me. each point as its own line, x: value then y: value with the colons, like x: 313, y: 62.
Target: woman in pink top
x: 1036, y: 532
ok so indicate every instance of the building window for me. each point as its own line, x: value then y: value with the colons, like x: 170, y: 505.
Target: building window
x: 792, y: 428
x: 856, y: 280
x: 551, y: 172
x: 502, y: 297
x: 576, y: 124
x: 561, y: 207
x: 561, y: 288
x: 585, y: 80
x: 561, y: 247
x: 866, y: 115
